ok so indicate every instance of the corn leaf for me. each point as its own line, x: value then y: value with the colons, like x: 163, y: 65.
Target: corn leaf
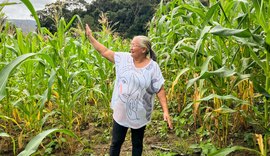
x: 194, y: 9
x: 71, y: 22
x: 224, y: 110
x: 226, y: 151
x: 224, y: 97
x: 261, y: 13
x: 5, y: 72
x: 30, y: 7
x: 210, y: 13
x: 220, y: 31
x: 260, y: 89
x: 7, y: 3
x: 32, y: 146
x: 8, y: 118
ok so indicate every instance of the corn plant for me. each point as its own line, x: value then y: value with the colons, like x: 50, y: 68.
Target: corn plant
x: 53, y: 80
x: 262, y: 9
x: 215, y: 60
x: 34, y: 143
x: 217, y: 50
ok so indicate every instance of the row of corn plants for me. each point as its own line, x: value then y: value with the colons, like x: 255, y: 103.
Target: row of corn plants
x: 52, y: 83
x: 216, y: 62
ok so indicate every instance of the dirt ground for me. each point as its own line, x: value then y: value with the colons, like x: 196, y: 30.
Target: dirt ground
x: 95, y: 141
x: 154, y: 144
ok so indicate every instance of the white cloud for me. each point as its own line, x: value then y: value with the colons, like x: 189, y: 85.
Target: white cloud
x: 20, y: 11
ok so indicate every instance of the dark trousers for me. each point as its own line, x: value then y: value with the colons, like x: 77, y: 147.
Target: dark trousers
x: 118, y: 137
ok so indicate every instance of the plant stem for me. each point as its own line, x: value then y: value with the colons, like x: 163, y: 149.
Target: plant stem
x: 226, y: 129
x: 266, y: 115
x: 267, y: 89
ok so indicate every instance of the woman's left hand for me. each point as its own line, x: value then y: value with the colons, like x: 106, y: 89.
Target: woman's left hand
x: 167, y: 118
x: 88, y: 31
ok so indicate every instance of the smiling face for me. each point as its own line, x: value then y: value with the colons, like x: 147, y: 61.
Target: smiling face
x: 136, y: 49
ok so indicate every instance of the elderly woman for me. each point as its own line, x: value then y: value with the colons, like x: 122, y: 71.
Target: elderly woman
x: 138, y: 80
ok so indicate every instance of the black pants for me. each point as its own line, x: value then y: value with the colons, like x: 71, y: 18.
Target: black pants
x: 118, y: 137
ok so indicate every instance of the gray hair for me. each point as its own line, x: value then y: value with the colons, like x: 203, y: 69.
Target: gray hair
x: 145, y: 42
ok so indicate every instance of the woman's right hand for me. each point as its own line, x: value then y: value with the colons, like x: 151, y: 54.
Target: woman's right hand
x: 104, y: 51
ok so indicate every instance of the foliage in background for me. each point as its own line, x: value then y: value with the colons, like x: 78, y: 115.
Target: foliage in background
x: 127, y: 17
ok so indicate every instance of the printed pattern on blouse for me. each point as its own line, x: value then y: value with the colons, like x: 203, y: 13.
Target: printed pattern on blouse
x: 134, y: 91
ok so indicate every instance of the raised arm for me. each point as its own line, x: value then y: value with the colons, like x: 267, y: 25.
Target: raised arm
x: 104, y: 51
x: 163, y: 101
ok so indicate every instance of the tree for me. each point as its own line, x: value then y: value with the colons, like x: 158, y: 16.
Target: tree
x: 128, y: 17
x: 131, y: 17
x: 52, y: 13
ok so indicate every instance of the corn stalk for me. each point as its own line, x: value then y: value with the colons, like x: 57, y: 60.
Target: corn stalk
x: 190, y: 33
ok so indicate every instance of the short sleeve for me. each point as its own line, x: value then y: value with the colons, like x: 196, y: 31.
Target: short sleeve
x: 120, y: 59
x: 117, y: 57
x: 157, y: 78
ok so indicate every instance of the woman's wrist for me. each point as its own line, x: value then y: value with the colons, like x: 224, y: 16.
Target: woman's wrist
x: 165, y: 111
x: 88, y: 36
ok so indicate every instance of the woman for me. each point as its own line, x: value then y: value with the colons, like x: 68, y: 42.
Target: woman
x: 138, y: 79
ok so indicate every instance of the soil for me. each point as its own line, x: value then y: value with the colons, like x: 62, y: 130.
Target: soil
x: 154, y: 144
x: 95, y: 141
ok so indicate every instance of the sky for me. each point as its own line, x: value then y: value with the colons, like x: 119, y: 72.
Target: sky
x: 19, y: 11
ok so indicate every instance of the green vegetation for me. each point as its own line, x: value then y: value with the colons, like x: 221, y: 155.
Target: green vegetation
x: 127, y: 17
x: 217, y: 64
x: 55, y: 89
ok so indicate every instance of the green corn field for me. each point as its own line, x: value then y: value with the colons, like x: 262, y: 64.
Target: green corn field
x: 55, y: 89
